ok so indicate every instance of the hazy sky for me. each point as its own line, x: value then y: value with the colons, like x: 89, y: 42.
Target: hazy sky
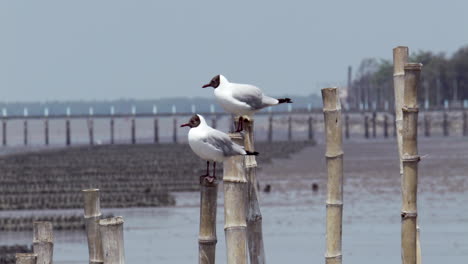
x: 110, y: 49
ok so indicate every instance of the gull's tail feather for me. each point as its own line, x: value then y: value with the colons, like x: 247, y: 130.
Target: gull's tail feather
x: 284, y: 100
x: 250, y: 153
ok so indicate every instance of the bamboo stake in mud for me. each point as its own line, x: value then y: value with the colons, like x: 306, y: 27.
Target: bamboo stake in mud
x: 254, y: 215
x: 385, y: 126
x: 67, y: 132
x: 235, y: 226
x: 374, y: 124
x: 112, y: 130
x: 25, y: 134
x: 465, y: 123
x: 92, y: 215
x: 174, y: 131
x: 427, y: 125
x: 91, y: 131
x: 270, y: 128
x: 410, y: 159
x: 133, y: 131
x: 111, y: 230
x: 156, y: 130
x: 311, y: 128
x: 46, y: 131
x: 445, y: 125
x: 347, y: 126
x: 43, y: 242
x: 4, y: 132
x: 366, y: 126
x: 26, y: 258
x: 207, y: 235
x: 334, y: 156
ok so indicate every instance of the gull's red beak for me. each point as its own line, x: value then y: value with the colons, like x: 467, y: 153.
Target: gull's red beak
x: 184, y: 125
x: 206, y: 85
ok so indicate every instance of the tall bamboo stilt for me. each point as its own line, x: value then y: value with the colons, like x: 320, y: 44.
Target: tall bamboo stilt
x: 26, y: 258
x: 254, y: 216
x: 207, y: 235
x: 400, y: 57
x: 92, y: 215
x: 334, y: 156
x: 111, y: 230
x: 410, y: 159
x: 235, y: 226
x: 43, y: 242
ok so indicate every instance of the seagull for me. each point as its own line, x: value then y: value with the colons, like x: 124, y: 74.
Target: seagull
x: 241, y: 99
x: 211, y: 144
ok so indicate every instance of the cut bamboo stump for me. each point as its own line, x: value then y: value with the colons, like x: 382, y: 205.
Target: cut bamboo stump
x: 92, y: 215
x: 235, y: 227
x: 43, y: 242
x: 410, y: 159
x: 207, y: 235
x: 334, y: 156
x: 111, y: 230
x: 26, y: 258
x: 254, y: 215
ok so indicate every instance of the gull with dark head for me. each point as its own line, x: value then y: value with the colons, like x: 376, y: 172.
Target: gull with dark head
x: 241, y: 99
x: 211, y: 144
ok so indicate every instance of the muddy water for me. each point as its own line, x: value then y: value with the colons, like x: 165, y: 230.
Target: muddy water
x: 294, y: 215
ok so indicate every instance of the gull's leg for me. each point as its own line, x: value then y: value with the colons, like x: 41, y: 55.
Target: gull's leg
x: 211, y: 179
x: 207, y: 174
x: 240, y: 124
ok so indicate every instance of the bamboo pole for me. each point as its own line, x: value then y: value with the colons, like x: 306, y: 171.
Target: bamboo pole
x: 289, y: 128
x: 410, y: 159
x: 334, y: 157
x: 67, y: 132
x: 111, y: 230
x: 427, y: 125
x: 43, y: 242
x: 347, y: 126
x: 270, y: 128
x: 366, y: 126
x: 25, y: 134
x: 46, y: 132
x: 311, y: 128
x: 26, y: 258
x: 207, y: 235
x: 234, y: 180
x: 133, y: 131
x: 4, y: 134
x: 156, y: 130
x: 254, y: 215
x: 92, y: 215
x: 374, y: 124
x: 385, y: 126
x: 174, y: 131
x: 91, y: 130
x: 112, y: 130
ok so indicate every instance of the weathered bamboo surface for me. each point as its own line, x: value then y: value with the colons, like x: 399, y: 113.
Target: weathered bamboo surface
x: 43, y: 242
x: 334, y: 157
x: 207, y: 235
x: 254, y: 215
x: 26, y: 258
x: 410, y: 159
x: 235, y: 226
x: 92, y: 215
x: 111, y: 230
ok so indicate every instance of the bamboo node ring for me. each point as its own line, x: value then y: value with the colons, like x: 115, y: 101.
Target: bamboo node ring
x: 410, y: 158
x: 339, y: 204
x: 331, y: 110
x: 334, y: 156
x: 406, y: 215
x: 334, y: 257
x: 410, y: 109
x: 208, y: 241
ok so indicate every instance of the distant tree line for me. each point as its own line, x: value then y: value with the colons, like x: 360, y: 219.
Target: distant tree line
x: 444, y: 81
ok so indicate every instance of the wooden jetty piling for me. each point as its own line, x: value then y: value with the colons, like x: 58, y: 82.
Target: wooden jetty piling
x: 334, y: 157
x: 92, y: 215
x: 254, y: 215
x: 207, y: 235
x: 235, y: 225
x: 111, y: 230
x: 410, y: 159
x: 43, y: 242
x: 25, y: 258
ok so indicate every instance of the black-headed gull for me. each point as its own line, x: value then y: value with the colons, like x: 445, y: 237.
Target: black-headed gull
x: 241, y: 99
x: 211, y: 144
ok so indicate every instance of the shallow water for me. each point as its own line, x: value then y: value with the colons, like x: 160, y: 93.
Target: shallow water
x: 294, y: 216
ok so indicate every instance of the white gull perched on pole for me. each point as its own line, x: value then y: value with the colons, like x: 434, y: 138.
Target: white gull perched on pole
x: 211, y: 144
x: 241, y: 99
